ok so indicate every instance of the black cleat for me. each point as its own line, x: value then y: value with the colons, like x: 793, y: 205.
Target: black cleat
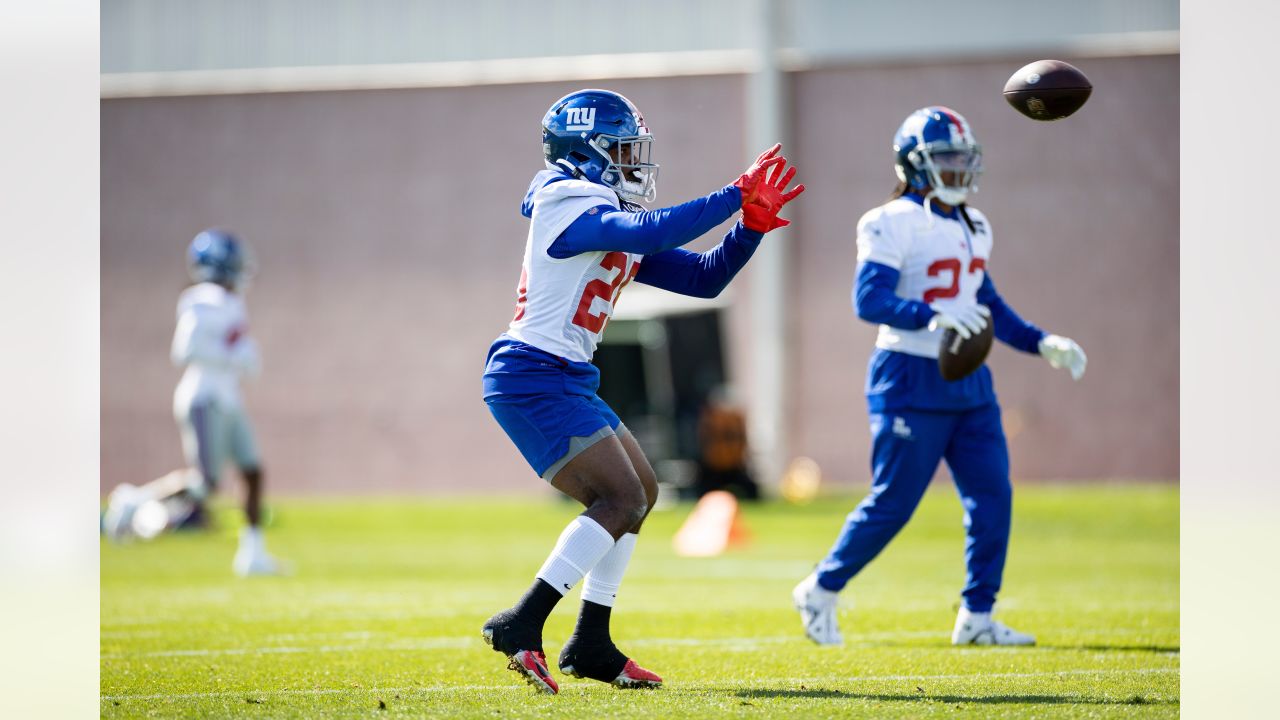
x: 603, y: 661
x: 522, y: 644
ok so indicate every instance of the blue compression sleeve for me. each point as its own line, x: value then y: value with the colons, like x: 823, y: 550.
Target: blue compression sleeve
x: 1010, y: 329
x: 648, y: 232
x: 875, y: 299
x: 702, y: 275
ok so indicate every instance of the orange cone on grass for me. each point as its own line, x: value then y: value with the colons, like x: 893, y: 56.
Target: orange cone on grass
x: 714, y: 525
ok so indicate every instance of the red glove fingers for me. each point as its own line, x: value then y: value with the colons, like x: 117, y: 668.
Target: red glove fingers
x: 768, y: 153
x: 761, y: 214
x: 793, y: 194
x: 749, y: 182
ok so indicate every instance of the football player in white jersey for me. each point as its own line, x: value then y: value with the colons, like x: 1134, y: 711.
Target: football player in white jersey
x: 587, y: 239
x: 923, y: 267
x: 212, y: 342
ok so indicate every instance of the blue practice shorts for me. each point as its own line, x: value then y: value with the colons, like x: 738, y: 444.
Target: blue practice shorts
x: 551, y: 429
x: 547, y: 405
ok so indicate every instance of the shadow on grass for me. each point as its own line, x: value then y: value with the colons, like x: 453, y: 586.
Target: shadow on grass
x: 951, y: 699
x: 1116, y: 648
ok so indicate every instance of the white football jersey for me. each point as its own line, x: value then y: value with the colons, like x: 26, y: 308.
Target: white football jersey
x: 212, y: 341
x: 941, y: 263
x: 562, y: 306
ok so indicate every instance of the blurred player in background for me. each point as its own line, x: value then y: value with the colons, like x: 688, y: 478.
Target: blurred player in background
x: 212, y: 342
x: 922, y: 268
x: 587, y: 239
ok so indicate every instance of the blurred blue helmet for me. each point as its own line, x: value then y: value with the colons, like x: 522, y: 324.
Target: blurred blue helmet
x: 600, y: 136
x: 935, y: 144
x: 217, y: 256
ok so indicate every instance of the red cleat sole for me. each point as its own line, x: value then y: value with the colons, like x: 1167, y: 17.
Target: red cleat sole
x: 533, y: 666
x: 634, y: 676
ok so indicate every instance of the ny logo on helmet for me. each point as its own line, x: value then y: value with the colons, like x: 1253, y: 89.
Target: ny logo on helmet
x: 583, y: 118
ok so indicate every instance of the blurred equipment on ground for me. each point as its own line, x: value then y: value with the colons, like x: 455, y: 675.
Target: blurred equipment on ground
x: 802, y: 481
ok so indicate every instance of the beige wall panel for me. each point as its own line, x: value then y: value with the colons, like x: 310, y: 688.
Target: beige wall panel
x: 1085, y: 220
x: 387, y: 229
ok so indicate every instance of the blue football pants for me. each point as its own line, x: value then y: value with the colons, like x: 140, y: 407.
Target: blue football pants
x: 906, y: 448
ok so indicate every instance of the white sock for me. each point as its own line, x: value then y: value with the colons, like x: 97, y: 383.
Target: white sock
x: 580, y: 547
x: 602, y: 582
x: 251, y: 539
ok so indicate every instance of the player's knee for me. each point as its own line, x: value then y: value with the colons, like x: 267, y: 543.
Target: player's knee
x: 649, y: 484
x: 879, y: 508
x: 651, y: 494
x: 1002, y: 494
x: 632, y: 503
x: 1004, y: 497
x: 637, y: 510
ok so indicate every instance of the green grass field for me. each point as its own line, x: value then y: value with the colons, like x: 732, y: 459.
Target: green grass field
x: 382, y: 616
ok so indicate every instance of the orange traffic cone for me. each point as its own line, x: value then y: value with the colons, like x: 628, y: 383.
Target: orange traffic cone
x: 713, y: 526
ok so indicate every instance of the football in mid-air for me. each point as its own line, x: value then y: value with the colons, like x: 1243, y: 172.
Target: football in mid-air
x: 958, y: 357
x: 1047, y: 90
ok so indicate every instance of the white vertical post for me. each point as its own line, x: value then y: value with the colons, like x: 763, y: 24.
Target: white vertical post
x: 766, y: 124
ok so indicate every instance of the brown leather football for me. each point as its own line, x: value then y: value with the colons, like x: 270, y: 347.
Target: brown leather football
x: 1047, y: 90
x: 958, y: 357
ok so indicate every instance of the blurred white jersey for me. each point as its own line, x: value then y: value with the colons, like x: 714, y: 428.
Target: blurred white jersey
x: 562, y: 306
x: 212, y: 341
x: 941, y: 263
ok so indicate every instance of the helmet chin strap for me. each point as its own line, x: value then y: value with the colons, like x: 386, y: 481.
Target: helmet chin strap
x: 637, y: 190
x: 571, y: 169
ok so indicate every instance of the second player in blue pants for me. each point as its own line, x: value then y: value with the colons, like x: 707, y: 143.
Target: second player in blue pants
x: 922, y: 268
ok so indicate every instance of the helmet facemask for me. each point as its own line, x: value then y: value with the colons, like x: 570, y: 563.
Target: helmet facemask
x: 630, y: 170
x: 940, y: 161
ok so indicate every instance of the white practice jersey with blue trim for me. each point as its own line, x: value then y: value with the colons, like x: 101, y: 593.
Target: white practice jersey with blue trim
x: 940, y: 262
x: 562, y: 305
x: 212, y: 341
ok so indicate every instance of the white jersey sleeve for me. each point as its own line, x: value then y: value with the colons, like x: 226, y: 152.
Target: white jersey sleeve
x: 563, y: 304
x: 878, y: 243
x: 557, y: 205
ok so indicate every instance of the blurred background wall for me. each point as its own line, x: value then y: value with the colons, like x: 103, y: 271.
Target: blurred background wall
x: 374, y: 156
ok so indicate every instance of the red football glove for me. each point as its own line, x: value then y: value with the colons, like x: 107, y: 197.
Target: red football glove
x: 764, y: 191
x: 750, y: 181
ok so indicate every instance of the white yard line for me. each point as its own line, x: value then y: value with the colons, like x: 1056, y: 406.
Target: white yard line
x: 676, y: 686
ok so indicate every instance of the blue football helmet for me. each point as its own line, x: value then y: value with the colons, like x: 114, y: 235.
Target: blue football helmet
x: 217, y: 256
x: 935, y: 144
x: 600, y: 136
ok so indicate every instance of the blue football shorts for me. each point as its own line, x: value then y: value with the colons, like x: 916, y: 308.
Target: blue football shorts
x: 550, y: 429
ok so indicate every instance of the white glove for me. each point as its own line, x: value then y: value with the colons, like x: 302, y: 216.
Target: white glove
x: 966, y: 321
x: 1062, y: 352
